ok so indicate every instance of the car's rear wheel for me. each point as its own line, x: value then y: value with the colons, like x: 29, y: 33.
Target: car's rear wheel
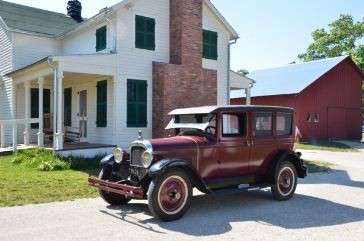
x: 109, y: 197
x: 169, y: 195
x: 285, y: 181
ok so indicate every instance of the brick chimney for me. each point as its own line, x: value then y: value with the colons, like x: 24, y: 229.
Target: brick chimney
x: 183, y: 82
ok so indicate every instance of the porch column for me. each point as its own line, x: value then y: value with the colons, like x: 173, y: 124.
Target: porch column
x: 248, y: 98
x: 27, y: 112
x: 59, y: 110
x: 40, y: 132
x: 15, y: 129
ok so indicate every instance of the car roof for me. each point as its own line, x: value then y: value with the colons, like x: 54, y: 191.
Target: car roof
x: 213, y: 109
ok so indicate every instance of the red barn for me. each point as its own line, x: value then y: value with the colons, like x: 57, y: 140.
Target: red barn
x: 325, y: 93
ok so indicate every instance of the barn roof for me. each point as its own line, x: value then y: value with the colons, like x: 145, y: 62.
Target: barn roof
x: 31, y: 20
x: 289, y: 79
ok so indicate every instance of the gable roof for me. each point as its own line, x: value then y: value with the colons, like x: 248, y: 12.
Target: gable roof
x: 290, y: 79
x: 20, y: 18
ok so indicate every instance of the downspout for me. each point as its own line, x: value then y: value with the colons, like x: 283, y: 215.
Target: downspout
x: 231, y: 42
x: 54, y: 101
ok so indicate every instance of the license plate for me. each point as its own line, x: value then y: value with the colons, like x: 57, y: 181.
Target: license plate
x: 136, y: 171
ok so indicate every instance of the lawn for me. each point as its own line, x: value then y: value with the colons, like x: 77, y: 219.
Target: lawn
x: 21, y: 184
x: 325, y: 146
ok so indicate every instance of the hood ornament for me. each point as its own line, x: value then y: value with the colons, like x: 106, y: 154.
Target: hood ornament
x: 140, y: 135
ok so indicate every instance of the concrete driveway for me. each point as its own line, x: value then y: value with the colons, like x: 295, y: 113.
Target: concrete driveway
x: 327, y: 206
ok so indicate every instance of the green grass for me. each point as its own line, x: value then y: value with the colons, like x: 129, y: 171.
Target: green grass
x: 314, y: 166
x: 23, y: 182
x: 325, y: 146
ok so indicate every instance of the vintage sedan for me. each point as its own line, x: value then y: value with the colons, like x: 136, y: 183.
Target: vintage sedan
x: 216, y: 149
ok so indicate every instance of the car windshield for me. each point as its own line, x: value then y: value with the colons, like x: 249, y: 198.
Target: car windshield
x: 201, y: 122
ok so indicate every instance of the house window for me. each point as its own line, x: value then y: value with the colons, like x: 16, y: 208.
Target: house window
x: 262, y: 124
x: 101, y: 39
x: 144, y: 33
x: 317, y: 118
x: 101, y: 104
x: 284, y: 124
x: 67, y: 107
x: 308, y: 117
x: 137, y: 103
x: 34, y: 104
x: 209, y: 44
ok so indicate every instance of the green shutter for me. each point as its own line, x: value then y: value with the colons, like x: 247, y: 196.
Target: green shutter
x: 34, y: 104
x: 144, y: 33
x: 210, y: 44
x: 67, y: 107
x: 137, y: 103
x: 101, y: 105
x: 101, y: 38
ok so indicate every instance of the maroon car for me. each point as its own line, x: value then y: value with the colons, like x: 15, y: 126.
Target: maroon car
x: 216, y: 149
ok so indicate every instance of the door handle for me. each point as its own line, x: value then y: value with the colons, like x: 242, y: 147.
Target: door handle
x: 248, y: 142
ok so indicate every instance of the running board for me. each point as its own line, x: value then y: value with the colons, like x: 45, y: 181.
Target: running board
x: 238, y: 189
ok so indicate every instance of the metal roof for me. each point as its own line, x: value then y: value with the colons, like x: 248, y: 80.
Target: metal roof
x: 289, y: 79
x: 20, y: 18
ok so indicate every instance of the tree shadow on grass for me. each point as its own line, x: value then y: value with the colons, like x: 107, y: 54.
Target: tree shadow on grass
x: 213, y: 215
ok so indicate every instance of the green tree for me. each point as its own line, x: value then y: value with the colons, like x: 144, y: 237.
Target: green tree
x: 344, y: 37
x: 243, y: 72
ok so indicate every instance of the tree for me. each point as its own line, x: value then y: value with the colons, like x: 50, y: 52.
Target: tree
x: 243, y: 72
x: 344, y: 37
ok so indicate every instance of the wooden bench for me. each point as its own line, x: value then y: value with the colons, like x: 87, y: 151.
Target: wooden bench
x: 72, y: 134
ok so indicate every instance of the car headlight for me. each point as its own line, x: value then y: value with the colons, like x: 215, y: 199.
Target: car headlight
x: 147, y: 159
x: 118, y: 155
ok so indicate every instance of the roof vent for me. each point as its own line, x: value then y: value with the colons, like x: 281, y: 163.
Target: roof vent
x: 74, y: 9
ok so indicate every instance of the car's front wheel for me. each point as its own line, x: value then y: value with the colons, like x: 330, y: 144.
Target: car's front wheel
x: 285, y: 181
x: 109, y: 197
x: 169, y: 195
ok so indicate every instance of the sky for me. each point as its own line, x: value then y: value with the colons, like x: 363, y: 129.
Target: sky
x: 272, y: 32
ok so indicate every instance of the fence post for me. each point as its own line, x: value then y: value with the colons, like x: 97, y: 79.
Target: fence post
x: 2, y: 138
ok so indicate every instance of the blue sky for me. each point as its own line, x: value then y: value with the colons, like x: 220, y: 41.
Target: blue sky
x: 272, y: 33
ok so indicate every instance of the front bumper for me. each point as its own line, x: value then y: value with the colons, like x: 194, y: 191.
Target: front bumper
x: 120, y: 188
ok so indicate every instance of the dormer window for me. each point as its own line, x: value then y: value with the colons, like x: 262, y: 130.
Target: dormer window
x: 101, y: 39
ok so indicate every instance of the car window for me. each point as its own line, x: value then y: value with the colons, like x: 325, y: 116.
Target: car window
x: 234, y: 124
x: 284, y: 124
x: 262, y: 124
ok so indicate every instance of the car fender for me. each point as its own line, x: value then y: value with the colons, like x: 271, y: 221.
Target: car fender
x: 167, y: 164
x: 107, y: 161
x: 291, y: 156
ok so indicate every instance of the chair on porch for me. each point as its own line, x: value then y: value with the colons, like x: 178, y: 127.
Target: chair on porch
x: 72, y: 134
x: 48, y: 125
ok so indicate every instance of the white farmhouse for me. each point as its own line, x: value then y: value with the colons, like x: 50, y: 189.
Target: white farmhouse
x: 111, y: 75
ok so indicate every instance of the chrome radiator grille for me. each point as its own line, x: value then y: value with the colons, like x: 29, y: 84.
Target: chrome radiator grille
x: 136, y: 156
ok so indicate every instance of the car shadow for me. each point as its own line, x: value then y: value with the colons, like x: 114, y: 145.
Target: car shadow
x: 213, y: 215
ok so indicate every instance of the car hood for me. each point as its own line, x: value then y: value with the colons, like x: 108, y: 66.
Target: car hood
x: 178, y: 142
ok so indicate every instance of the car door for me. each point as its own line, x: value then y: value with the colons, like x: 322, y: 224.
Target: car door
x: 233, y: 145
x: 262, y: 141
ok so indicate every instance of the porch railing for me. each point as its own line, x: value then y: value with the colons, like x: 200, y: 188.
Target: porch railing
x: 14, y: 123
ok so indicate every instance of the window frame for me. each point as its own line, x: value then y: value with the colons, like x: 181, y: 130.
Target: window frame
x: 254, y: 113
x: 145, y: 33
x: 101, y: 105
x: 276, y: 125
x: 210, y: 47
x: 242, y: 124
x: 101, y: 43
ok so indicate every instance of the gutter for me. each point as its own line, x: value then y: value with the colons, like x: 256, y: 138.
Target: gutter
x: 55, y: 91
x: 231, y: 42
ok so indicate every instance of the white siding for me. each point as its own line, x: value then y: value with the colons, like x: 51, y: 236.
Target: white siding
x: 6, y: 86
x: 28, y: 49
x: 212, y: 23
x: 84, y: 41
x: 137, y: 63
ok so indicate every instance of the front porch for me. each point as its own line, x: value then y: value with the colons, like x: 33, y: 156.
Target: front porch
x: 78, y: 93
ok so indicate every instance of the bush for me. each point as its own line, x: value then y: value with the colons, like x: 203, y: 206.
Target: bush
x: 41, y: 159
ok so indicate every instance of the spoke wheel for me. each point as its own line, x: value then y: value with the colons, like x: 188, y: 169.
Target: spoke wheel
x: 285, y: 181
x: 169, y: 195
